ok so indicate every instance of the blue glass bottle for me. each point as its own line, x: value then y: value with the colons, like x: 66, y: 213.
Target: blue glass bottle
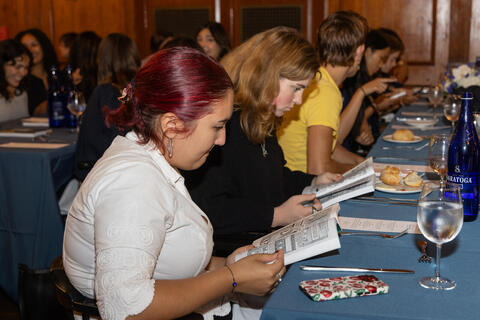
x: 56, y: 101
x: 463, y: 159
x: 68, y: 92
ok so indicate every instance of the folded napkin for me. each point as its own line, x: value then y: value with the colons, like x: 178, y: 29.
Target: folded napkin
x: 396, y: 126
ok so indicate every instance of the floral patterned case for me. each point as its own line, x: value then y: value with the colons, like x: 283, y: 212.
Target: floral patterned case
x: 343, y: 287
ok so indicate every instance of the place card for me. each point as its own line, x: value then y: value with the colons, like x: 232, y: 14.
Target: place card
x: 379, y: 225
x: 32, y: 145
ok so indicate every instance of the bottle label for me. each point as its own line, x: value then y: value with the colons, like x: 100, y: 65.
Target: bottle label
x: 467, y: 183
x: 57, y: 110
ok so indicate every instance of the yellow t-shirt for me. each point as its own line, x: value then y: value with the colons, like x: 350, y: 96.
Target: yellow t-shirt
x: 322, y: 104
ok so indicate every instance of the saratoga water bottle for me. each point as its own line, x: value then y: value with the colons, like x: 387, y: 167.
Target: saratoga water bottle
x: 463, y: 159
x: 56, y: 101
x: 69, y: 92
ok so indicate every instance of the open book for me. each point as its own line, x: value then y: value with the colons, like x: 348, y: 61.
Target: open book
x: 355, y: 182
x: 302, y: 239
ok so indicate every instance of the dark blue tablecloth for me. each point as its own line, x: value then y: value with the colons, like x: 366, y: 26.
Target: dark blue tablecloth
x: 31, y: 228
x: 406, y: 299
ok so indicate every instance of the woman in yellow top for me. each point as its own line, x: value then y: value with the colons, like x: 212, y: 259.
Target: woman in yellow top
x: 311, y: 133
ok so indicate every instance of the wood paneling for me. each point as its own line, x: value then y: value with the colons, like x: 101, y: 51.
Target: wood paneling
x: 474, y: 43
x: 460, y: 17
x: 435, y: 31
x: 423, y: 26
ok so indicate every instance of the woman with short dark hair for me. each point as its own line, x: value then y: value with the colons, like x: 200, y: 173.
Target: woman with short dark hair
x: 213, y: 39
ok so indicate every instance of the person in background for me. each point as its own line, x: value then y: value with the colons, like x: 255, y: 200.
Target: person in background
x: 397, y: 51
x: 118, y: 61
x: 366, y: 128
x: 213, y: 39
x: 43, y: 58
x: 311, y: 133
x: 245, y: 185
x: 83, y: 60
x: 134, y: 239
x: 157, y: 41
x: 182, y: 41
x: 65, y: 43
x: 14, y: 65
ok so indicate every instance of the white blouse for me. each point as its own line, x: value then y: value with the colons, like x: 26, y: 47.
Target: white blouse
x: 131, y: 222
x: 14, y: 109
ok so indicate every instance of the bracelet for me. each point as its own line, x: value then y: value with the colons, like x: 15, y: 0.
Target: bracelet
x: 234, y: 283
x: 364, y: 93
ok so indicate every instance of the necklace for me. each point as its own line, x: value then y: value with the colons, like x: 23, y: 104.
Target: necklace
x: 264, y: 150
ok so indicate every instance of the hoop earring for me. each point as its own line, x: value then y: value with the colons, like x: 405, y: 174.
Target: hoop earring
x: 170, y: 148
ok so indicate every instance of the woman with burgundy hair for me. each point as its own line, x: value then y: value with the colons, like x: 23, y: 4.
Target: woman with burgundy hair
x: 134, y: 239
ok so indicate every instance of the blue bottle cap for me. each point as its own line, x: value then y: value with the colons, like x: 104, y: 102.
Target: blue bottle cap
x: 467, y: 95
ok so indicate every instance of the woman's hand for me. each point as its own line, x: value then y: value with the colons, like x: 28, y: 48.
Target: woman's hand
x: 377, y: 85
x: 258, y: 274
x: 231, y: 258
x: 365, y: 137
x: 326, y: 177
x: 293, y: 209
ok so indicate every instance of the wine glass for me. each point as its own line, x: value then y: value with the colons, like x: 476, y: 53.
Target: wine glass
x: 440, y: 218
x: 476, y: 122
x: 438, y: 154
x: 76, y: 105
x: 451, y: 111
x: 435, y: 96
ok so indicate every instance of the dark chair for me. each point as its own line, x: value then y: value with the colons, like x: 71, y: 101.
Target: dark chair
x: 36, y: 296
x: 69, y: 297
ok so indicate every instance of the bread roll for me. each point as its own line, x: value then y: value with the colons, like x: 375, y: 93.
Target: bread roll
x: 413, y: 180
x: 391, y: 176
x: 403, y: 135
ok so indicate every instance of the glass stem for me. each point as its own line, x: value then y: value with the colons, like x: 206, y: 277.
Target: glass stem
x: 437, y: 267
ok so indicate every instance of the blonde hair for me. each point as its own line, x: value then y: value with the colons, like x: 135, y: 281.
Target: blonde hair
x: 256, y: 68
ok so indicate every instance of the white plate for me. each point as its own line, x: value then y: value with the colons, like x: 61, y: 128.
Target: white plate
x: 388, y: 138
x: 423, y: 123
x: 396, y: 189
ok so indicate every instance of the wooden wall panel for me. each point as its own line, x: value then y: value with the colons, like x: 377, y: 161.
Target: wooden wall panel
x: 423, y: 26
x: 24, y: 14
x: 474, y: 48
x: 435, y: 31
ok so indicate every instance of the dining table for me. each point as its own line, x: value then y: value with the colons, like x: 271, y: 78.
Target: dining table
x: 406, y: 299
x: 33, y: 172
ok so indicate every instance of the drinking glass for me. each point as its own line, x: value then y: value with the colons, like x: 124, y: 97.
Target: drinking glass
x: 451, y: 110
x: 440, y: 219
x: 435, y: 96
x: 77, y: 105
x: 476, y: 122
x: 438, y: 154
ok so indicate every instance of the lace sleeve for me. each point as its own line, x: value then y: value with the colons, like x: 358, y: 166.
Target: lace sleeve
x: 130, y: 227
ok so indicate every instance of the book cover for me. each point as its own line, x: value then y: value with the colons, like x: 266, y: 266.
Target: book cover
x: 343, y: 287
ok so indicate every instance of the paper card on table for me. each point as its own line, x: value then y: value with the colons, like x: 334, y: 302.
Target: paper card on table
x: 35, y: 122
x: 365, y: 224
x: 396, y: 127
x: 343, y: 287
x: 24, y: 132
x: 32, y: 145
x: 405, y: 168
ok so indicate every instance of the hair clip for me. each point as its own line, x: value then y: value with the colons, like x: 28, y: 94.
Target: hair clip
x: 127, y: 92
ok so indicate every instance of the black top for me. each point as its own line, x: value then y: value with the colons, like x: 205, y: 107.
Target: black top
x: 36, y: 92
x: 95, y: 137
x: 350, y: 85
x: 238, y: 187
